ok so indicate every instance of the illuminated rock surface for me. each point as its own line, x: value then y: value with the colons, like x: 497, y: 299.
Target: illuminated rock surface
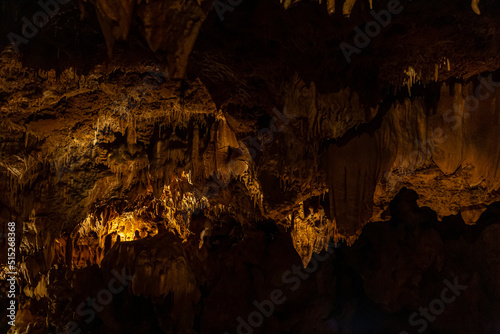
x: 209, y: 160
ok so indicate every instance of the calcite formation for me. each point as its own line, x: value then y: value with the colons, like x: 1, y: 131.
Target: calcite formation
x: 348, y: 5
x: 213, y: 164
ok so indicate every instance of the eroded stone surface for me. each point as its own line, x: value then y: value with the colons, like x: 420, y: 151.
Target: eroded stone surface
x: 205, y: 153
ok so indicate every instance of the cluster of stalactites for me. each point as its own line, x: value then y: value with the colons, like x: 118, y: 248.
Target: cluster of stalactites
x: 349, y: 4
x: 330, y: 5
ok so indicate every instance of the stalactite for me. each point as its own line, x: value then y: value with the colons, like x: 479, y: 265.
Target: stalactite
x: 475, y: 7
x: 331, y: 6
x: 348, y: 5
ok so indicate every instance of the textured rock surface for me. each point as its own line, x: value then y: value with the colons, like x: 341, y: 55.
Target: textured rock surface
x: 209, y: 160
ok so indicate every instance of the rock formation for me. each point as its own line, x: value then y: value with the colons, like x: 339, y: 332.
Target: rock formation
x: 181, y: 161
